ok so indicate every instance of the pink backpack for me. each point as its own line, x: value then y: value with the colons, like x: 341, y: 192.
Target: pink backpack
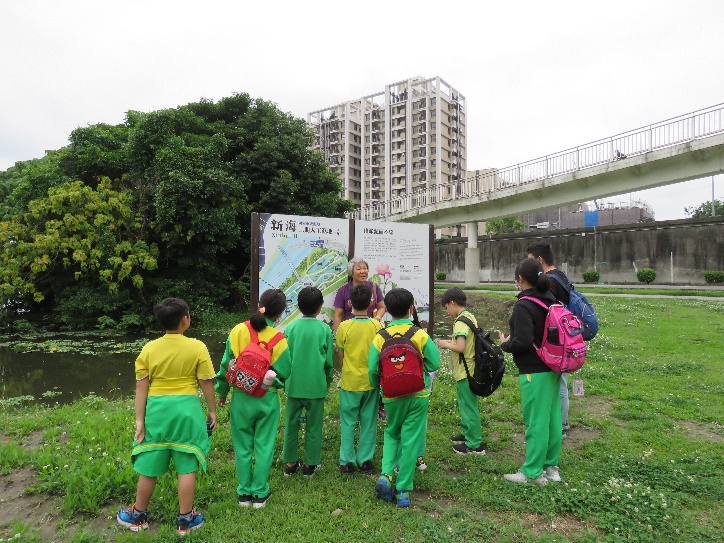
x: 563, y: 349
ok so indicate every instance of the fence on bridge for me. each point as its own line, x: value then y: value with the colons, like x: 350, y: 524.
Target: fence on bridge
x: 684, y: 128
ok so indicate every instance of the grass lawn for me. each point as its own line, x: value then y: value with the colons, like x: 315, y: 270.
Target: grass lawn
x: 644, y: 460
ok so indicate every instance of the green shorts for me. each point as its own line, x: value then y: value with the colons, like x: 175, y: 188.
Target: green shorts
x: 156, y: 463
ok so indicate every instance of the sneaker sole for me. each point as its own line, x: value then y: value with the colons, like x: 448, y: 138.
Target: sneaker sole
x: 132, y: 527
x: 473, y: 451
x: 460, y: 452
x: 188, y: 530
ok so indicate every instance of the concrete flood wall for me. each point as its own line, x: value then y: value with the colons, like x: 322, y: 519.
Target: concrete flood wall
x: 616, y: 252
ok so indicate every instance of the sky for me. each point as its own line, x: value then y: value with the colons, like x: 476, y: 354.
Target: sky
x: 538, y: 77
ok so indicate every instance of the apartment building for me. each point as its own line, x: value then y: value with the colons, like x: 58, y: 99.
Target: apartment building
x: 406, y: 138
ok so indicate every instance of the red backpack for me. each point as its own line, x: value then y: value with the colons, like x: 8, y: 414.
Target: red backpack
x: 401, y: 364
x: 247, y: 371
x: 563, y: 349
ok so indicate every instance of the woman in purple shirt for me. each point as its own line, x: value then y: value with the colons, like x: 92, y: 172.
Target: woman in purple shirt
x: 358, y: 270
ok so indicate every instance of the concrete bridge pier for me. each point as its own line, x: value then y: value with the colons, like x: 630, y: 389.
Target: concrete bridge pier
x: 472, y: 256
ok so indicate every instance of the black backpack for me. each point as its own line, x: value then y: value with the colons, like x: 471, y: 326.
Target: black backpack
x: 489, y: 362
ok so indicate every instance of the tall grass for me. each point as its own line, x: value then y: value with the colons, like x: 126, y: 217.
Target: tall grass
x: 643, y: 462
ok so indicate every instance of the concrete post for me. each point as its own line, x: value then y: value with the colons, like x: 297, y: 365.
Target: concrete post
x: 472, y: 256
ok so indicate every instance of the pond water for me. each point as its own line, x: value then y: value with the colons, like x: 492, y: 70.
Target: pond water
x: 63, y: 368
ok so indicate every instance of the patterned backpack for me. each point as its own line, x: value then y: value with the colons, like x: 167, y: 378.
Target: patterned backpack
x: 401, y: 364
x: 563, y: 349
x: 247, y: 371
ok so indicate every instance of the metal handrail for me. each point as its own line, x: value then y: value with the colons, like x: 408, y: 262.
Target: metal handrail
x: 684, y: 128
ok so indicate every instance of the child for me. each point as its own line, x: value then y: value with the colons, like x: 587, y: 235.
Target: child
x: 406, y: 415
x: 312, y: 349
x: 255, y: 420
x: 470, y: 441
x: 170, y: 422
x: 358, y: 401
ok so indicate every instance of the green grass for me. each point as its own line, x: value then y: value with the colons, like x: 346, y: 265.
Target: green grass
x: 597, y: 289
x: 643, y: 462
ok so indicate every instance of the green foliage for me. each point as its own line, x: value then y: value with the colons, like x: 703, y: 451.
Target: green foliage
x: 591, y: 276
x: 441, y: 276
x: 507, y: 225
x: 714, y: 276
x: 646, y: 275
x: 157, y: 206
x: 704, y: 210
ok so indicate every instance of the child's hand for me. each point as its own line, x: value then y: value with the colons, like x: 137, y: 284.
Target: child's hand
x: 221, y: 402
x: 212, y: 419
x: 503, y: 338
x: 140, y: 431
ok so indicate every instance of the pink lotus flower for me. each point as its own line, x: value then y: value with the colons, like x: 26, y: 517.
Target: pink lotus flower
x: 383, y: 270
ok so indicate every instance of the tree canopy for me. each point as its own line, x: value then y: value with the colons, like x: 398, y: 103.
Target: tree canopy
x: 506, y: 225
x: 704, y: 210
x: 157, y: 206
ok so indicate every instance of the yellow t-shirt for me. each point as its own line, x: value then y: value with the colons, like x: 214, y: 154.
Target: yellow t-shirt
x: 173, y: 363
x: 462, y: 329
x: 355, y: 336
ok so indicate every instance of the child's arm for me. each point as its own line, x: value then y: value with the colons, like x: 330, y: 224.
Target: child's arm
x: 141, y: 398
x: 431, y: 355
x: 222, y: 385
x: 207, y: 387
x: 329, y: 362
x: 457, y: 347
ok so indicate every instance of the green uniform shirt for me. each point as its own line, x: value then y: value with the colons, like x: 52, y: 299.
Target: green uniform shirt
x: 311, y: 348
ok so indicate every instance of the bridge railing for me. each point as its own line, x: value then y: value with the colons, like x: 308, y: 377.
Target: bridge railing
x: 691, y: 126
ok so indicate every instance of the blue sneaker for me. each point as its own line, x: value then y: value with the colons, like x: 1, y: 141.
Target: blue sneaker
x: 132, y: 519
x: 384, y: 488
x: 186, y: 523
x: 403, y: 499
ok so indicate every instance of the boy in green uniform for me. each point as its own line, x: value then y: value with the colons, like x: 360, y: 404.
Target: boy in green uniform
x: 358, y: 401
x: 170, y: 423
x: 406, y: 415
x: 470, y: 441
x: 312, y: 350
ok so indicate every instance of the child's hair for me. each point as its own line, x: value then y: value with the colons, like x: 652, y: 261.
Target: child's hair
x: 272, y: 304
x: 456, y: 295
x: 398, y: 302
x: 532, y: 271
x: 414, y: 317
x: 309, y: 300
x: 360, y: 296
x: 351, y: 264
x: 170, y: 311
x: 543, y: 250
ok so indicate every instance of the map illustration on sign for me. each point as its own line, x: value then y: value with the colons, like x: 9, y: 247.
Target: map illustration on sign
x: 298, y: 251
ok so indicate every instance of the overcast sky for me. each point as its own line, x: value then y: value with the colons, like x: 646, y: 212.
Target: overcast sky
x: 539, y: 77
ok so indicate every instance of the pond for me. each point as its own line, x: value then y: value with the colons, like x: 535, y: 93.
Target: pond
x: 60, y: 368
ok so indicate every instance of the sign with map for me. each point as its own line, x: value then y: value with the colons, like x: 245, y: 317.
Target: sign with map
x: 290, y: 252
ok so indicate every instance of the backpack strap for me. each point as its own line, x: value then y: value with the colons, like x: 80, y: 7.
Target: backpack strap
x: 411, y: 331
x: 465, y: 320
x: 384, y: 333
x: 252, y: 332
x: 268, y: 345
x: 558, y: 279
x: 535, y: 300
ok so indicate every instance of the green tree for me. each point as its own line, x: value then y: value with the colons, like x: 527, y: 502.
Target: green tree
x: 75, y: 236
x: 506, y: 225
x: 704, y: 210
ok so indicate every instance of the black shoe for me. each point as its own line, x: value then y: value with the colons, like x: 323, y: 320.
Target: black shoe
x: 258, y: 503
x: 291, y: 470
x: 245, y: 500
x: 457, y: 439
x: 367, y: 467
x: 308, y: 471
x: 462, y: 448
x: 347, y: 469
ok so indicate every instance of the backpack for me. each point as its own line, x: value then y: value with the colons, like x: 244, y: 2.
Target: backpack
x: 563, y: 349
x: 400, y: 364
x: 247, y: 371
x: 580, y: 307
x: 489, y: 362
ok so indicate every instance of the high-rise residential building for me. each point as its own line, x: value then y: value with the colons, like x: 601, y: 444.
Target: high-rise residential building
x: 406, y: 138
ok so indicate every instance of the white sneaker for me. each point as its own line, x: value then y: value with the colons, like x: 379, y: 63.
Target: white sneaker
x: 551, y: 473
x: 518, y: 477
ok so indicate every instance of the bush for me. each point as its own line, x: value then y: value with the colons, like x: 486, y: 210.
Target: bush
x: 440, y: 276
x: 591, y: 276
x: 714, y: 276
x: 646, y: 275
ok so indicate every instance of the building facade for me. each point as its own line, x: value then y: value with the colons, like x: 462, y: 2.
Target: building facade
x: 406, y: 138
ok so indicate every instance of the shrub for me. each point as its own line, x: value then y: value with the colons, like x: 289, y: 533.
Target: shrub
x: 591, y: 276
x: 646, y: 275
x: 714, y: 276
x: 440, y: 276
